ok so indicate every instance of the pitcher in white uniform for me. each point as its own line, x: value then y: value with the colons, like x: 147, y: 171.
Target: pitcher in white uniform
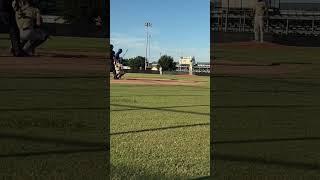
x: 260, y: 10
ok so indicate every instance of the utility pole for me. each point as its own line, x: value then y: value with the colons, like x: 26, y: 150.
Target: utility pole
x: 147, y: 25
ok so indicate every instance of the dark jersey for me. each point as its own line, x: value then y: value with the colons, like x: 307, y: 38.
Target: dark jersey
x: 118, y: 54
x: 113, y: 54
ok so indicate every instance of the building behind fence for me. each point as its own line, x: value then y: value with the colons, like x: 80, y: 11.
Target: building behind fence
x: 186, y: 65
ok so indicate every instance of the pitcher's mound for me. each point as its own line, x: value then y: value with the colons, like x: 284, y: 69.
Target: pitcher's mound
x: 151, y: 81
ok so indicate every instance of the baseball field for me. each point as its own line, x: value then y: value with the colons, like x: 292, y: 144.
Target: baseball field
x: 266, y: 111
x: 53, y: 120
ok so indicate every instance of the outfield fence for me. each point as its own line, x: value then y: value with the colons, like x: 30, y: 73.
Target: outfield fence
x: 197, y: 72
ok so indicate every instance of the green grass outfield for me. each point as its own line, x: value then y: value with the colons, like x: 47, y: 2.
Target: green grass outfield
x: 267, y: 127
x: 160, y: 131
x: 52, y: 128
x: 53, y: 125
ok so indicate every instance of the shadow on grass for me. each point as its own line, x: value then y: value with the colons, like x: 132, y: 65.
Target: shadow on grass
x: 168, y: 109
x: 263, y: 161
x: 52, y: 90
x: 201, y: 178
x: 159, y: 129
x: 267, y: 140
x: 258, y: 91
x: 54, y: 109
x: 51, y: 140
x: 131, y: 108
x: 161, y: 95
x: 275, y: 106
x: 53, y: 152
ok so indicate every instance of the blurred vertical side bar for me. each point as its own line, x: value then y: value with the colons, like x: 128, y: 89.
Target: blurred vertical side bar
x: 213, y: 5
x: 106, y: 30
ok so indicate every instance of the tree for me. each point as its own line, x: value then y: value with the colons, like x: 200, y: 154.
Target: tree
x: 137, y: 62
x: 125, y: 62
x: 167, y: 63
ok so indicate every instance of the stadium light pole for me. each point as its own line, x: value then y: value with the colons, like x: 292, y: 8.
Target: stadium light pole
x: 147, y: 25
x: 149, y: 47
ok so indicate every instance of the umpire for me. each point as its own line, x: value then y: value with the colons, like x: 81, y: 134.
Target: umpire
x: 7, y: 17
x: 29, y: 21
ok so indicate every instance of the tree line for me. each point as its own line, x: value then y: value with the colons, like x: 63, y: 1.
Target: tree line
x: 165, y: 61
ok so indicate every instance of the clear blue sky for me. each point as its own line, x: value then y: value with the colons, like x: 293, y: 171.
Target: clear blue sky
x: 179, y: 27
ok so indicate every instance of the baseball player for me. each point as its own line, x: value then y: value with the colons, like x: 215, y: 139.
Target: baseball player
x: 119, y: 70
x: 260, y: 10
x: 117, y: 56
x: 29, y: 21
x: 118, y: 66
x: 7, y: 17
x: 112, y: 58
